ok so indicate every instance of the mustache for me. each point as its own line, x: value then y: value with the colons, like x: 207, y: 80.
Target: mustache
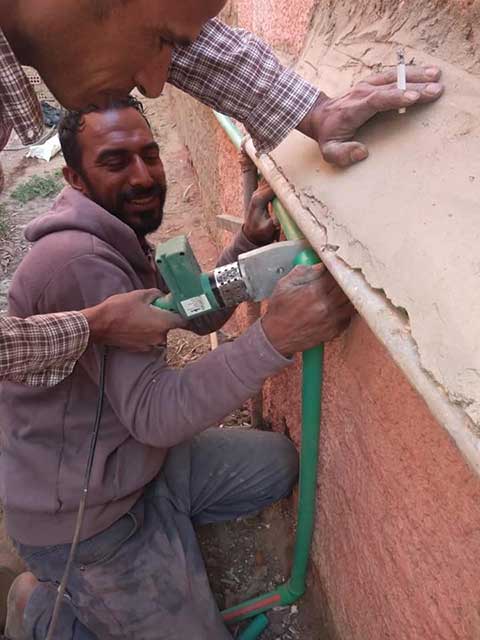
x: 135, y: 193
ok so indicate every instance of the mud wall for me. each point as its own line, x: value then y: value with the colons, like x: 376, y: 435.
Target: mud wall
x: 397, y: 536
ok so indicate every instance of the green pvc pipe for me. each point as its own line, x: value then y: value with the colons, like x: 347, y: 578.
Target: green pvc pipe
x: 290, y: 229
x: 258, y: 626
x: 312, y: 379
x: 230, y: 129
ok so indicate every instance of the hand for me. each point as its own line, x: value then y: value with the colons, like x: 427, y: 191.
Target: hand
x: 306, y: 308
x: 259, y: 227
x: 333, y: 122
x: 130, y: 322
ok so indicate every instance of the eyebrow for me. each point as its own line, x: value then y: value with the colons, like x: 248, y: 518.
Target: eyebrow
x: 110, y: 153
x: 107, y: 154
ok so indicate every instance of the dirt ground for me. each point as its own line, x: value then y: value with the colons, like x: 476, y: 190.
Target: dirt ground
x: 244, y: 558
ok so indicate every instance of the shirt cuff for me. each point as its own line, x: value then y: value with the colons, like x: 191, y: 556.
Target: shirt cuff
x: 281, y: 110
x: 63, y: 340
x: 257, y: 359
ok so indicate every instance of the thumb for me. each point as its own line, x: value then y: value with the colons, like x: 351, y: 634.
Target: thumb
x: 171, y: 320
x: 343, y: 154
x: 149, y: 295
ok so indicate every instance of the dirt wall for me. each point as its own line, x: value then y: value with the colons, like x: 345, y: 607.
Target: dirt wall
x: 397, y: 536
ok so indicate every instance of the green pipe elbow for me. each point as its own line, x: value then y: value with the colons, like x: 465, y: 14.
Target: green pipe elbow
x: 258, y: 626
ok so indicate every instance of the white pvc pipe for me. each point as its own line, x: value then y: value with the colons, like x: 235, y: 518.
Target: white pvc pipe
x: 383, y: 319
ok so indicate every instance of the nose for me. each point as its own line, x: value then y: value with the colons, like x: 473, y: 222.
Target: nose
x: 140, y: 175
x: 152, y: 77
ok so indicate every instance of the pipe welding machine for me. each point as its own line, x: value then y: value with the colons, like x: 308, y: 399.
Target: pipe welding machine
x: 252, y: 277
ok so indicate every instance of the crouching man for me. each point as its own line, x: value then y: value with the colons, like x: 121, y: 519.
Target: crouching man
x: 158, y: 468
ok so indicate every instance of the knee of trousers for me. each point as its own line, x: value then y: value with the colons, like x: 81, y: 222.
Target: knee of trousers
x: 284, y: 462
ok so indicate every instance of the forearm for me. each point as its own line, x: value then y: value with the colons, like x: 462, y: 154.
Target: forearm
x: 163, y: 407
x: 41, y: 350
x: 237, y: 74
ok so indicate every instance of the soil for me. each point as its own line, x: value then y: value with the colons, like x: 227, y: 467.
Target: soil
x: 247, y: 557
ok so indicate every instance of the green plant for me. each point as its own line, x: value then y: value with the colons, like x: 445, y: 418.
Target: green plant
x: 4, y: 222
x: 37, y: 187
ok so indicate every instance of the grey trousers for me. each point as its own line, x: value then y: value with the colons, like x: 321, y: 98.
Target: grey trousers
x: 144, y: 577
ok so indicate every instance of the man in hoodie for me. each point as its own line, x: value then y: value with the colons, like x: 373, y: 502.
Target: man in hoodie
x: 158, y: 468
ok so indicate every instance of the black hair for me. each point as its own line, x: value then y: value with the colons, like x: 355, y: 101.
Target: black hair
x: 74, y: 121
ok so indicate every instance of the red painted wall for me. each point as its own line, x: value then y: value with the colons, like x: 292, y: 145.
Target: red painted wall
x: 397, y: 539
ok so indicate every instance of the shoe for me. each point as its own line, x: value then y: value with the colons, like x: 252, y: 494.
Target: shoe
x: 18, y: 596
x: 7, y: 577
x: 11, y: 566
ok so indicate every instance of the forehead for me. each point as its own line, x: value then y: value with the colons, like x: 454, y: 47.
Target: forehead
x: 114, y: 129
x: 182, y: 19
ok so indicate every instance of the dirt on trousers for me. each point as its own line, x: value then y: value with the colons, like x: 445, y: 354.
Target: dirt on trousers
x: 244, y: 558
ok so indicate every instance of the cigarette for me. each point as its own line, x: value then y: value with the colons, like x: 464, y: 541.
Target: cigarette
x: 401, y: 75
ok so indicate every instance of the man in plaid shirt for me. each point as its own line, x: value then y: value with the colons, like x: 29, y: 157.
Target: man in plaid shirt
x: 90, y: 51
x: 43, y: 350
x: 141, y: 43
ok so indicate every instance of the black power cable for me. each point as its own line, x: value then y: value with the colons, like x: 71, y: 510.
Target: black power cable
x: 83, y: 500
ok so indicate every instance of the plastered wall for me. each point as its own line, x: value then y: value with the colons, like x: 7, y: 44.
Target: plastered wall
x: 397, y: 536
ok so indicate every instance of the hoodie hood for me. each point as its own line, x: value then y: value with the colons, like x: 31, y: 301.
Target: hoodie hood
x: 72, y: 211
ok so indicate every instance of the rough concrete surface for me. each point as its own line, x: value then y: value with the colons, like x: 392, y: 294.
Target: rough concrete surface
x: 396, y: 537
x: 409, y: 217
x: 267, y: 19
x: 397, y: 533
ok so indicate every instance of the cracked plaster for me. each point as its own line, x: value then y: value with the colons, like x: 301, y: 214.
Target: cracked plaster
x: 409, y: 218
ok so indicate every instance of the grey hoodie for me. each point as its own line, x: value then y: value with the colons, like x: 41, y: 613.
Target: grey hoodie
x: 82, y: 254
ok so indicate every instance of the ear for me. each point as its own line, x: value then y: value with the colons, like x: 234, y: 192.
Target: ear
x: 75, y: 180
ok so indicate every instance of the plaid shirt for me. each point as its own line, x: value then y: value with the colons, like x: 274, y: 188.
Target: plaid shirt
x: 227, y: 69
x: 19, y: 107
x: 237, y: 74
x: 42, y: 350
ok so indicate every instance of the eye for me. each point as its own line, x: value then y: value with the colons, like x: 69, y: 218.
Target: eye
x: 151, y: 155
x: 163, y: 42
x: 115, y: 165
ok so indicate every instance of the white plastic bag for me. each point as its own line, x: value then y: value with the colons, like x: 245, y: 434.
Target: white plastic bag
x: 45, y: 151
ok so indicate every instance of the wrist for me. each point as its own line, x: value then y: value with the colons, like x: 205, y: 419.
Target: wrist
x: 97, y: 322
x: 274, y: 336
x: 309, y: 124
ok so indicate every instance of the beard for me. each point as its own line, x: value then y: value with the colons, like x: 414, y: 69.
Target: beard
x: 142, y: 222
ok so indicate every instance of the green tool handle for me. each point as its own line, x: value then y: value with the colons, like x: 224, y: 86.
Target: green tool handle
x: 166, y: 303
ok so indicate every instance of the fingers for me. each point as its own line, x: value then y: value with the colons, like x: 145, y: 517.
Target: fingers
x: 414, y: 74
x: 260, y: 227
x: 393, y: 98
x: 339, y: 328
x: 343, y: 154
x: 169, y: 320
x: 302, y: 275
x: 318, y: 283
x: 262, y: 195
x: 336, y: 295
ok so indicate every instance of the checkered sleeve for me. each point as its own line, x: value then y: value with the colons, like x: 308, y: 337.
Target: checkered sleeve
x: 237, y: 74
x: 41, y: 350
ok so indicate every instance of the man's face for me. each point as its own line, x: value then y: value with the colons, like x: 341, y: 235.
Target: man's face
x: 121, y: 168
x: 97, y: 59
